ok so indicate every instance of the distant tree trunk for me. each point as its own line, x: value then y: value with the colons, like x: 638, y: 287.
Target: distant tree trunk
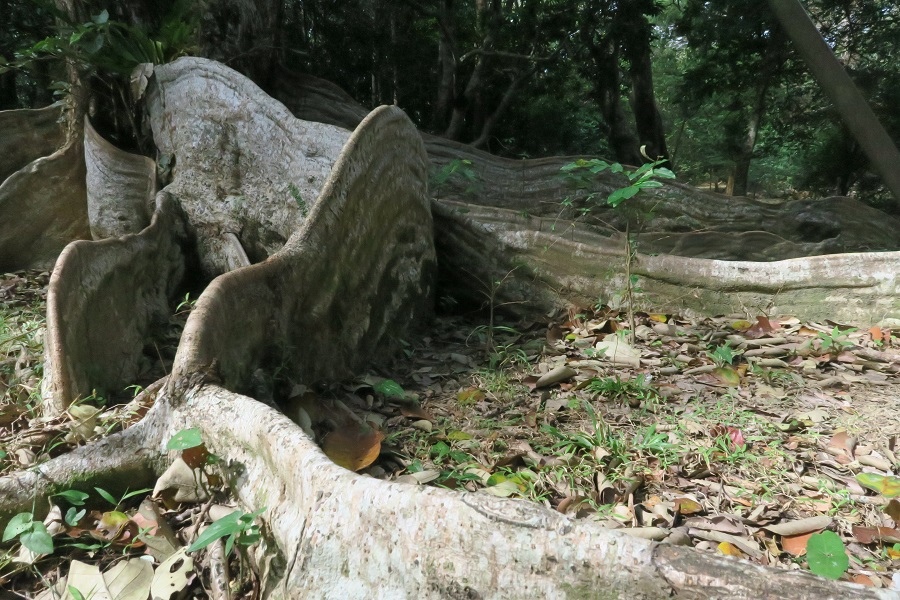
x: 740, y: 177
x: 647, y: 119
x: 854, y: 109
x: 8, y: 97
x: 607, y: 93
x: 446, y: 64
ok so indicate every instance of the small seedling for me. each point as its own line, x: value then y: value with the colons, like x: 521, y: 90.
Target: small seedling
x: 614, y: 388
x: 459, y: 169
x: 186, y: 305
x: 723, y: 355
x: 643, y: 178
x: 117, y: 503
x: 835, y: 340
x: 238, y: 527
x: 32, y: 534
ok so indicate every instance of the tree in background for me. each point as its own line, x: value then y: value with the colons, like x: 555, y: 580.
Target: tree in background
x: 715, y: 84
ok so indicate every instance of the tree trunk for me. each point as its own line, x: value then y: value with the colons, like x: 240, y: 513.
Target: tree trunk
x: 851, y: 104
x: 648, y: 121
x: 740, y: 177
x: 607, y: 89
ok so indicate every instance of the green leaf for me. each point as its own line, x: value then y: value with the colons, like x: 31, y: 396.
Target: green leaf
x: 620, y: 195
x: 826, y: 555
x: 135, y: 493
x: 229, y: 544
x: 389, y: 389
x: 75, y: 593
x: 73, y: 497
x: 20, y: 523
x: 73, y: 516
x: 38, y: 540
x: 184, y: 439
x: 645, y: 185
x: 107, y: 496
x: 664, y: 173
x: 886, y: 485
x: 227, y: 525
x: 102, y: 18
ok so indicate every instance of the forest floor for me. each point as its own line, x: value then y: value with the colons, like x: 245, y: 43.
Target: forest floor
x: 746, y: 435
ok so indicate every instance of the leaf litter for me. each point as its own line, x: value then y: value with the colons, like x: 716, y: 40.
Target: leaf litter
x: 748, y: 437
x: 92, y: 544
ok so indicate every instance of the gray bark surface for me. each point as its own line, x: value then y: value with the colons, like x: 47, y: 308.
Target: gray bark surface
x: 43, y: 208
x: 120, y: 187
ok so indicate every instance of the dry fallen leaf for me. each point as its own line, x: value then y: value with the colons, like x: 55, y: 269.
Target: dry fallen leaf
x: 353, y: 446
x: 795, y: 545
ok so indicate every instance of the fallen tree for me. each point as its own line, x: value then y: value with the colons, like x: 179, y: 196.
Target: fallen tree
x: 239, y: 175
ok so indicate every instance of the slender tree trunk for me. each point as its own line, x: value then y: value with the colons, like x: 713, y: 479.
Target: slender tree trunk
x: 854, y: 109
x: 646, y: 114
x: 607, y: 90
x: 8, y: 97
x: 740, y: 178
x: 446, y: 64
x: 463, y: 102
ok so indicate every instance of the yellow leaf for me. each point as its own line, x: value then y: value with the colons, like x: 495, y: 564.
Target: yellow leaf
x: 728, y: 549
x: 470, y: 396
x: 687, y: 506
x: 728, y: 376
x: 659, y: 318
x: 886, y: 485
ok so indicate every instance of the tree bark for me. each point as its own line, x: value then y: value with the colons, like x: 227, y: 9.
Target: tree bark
x: 851, y: 104
x: 647, y: 118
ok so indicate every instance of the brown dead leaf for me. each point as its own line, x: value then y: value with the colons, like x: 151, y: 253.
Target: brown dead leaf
x: 415, y: 411
x: 862, y: 579
x: 195, y: 457
x: 795, y: 545
x: 892, y: 509
x: 353, y: 446
x: 844, y: 443
x: 687, y: 506
x: 762, y: 328
x: 869, y: 535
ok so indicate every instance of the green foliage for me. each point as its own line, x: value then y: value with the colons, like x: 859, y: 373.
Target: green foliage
x: 118, y: 502
x: 643, y: 178
x: 723, y: 355
x: 184, y: 439
x: 298, y: 198
x: 826, y: 555
x: 457, y: 169
x: 615, y: 388
x: 32, y: 534
x: 107, y: 45
x: 389, y: 389
x: 237, y: 527
x: 836, y: 340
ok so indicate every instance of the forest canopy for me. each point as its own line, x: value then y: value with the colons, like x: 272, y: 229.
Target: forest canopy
x: 715, y: 87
